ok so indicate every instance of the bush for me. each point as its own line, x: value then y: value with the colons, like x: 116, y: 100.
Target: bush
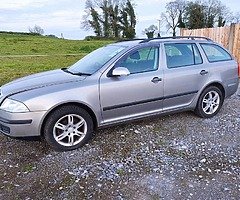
x: 91, y: 37
x: 18, y: 33
x: 36, y: 30
x: 52, y: 36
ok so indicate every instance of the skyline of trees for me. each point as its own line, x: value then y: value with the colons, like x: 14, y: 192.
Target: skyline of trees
x: 197, y: 14
x: 117, y: 18
x: 110, y: 18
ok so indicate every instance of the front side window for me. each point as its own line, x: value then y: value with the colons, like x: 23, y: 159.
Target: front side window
x: 180, y: 55
x: 141, y: 60
x: 215, y: 53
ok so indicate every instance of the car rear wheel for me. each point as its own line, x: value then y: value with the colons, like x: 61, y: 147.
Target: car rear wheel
x: 68, y: 128
x: 210, y: 102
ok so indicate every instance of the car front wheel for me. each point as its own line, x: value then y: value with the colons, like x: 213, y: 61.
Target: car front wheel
x: 68, y: 128
x: 210, y: 102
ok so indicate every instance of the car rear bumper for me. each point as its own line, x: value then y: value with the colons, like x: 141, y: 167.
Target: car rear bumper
x: 231, y: 87
x: 21, y: 124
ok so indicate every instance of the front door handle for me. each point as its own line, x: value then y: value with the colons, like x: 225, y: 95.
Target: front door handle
x: 156, y: 80
x: 203, y: 72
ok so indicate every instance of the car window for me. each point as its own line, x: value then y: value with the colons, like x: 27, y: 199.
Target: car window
x: 96, y: 59
x: 180, y: 55
x: 171, y: 50
x: 141, y: 60
x: 215, y: 53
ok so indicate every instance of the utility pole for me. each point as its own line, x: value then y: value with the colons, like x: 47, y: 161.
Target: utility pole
x: 159, y: 26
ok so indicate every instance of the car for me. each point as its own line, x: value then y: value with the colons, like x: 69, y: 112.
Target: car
x: 123, y: 81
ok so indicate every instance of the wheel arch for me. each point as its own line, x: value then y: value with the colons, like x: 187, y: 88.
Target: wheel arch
x: 218, y: 85
x: 214, y: 83
x: 81, y: 105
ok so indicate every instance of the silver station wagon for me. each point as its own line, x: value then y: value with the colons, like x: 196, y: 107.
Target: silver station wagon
x: 120, y: 82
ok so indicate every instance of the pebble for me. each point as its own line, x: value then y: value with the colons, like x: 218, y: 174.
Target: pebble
x: 137, y: 132
x: 203, y: 160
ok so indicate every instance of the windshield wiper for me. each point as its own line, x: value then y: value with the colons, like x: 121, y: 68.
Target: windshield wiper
x: 76, y: 73
x: 81, y: 74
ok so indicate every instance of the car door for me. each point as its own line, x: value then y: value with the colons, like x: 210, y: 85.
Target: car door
x: 184, y: 75
x: 137, y: 94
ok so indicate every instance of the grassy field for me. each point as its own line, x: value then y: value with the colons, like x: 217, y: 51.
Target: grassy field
x: 21, y: 55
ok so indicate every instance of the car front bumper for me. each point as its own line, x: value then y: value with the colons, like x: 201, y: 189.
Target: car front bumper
x: 21, y: 124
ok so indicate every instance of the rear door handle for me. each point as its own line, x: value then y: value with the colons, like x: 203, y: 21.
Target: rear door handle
x: 156, y: 80
x: 203, y: 72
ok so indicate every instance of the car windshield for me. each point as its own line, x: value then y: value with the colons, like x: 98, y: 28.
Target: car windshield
x: 95, y: 60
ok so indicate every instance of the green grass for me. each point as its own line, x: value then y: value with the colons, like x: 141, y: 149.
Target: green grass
x: 59, y: 53
x: 14, y: 44
x: 12, y: 68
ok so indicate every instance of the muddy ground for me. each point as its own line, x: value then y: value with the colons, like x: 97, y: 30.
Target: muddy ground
x: 172, y: 157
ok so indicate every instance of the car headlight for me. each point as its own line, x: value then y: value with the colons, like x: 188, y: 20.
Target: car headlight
x: 13, y: 106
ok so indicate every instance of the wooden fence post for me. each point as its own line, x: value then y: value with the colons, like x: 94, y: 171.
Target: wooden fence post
x: 182, y: 31
x: 231, y: 37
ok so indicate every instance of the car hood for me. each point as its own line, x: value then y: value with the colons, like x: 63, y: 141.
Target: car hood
x: 39, y: 80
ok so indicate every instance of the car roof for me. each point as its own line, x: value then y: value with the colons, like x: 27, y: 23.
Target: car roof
x: 177, y: 39
x: 128, y: 43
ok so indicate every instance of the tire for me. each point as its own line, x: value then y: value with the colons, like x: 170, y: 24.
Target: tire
x: 68, y: 128
x: 209, y: 102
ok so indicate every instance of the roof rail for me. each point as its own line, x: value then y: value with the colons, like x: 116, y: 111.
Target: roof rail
x: 177, y: 37
x: 127, y: 40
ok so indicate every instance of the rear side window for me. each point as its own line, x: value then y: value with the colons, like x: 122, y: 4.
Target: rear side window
x: 181, y: 55
x: 215, y: 53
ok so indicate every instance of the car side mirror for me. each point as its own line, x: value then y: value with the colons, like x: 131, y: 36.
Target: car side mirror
x: 120, y: 71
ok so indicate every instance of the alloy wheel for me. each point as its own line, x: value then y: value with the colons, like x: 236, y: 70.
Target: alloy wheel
x: 211, y: 102
x: 70, y: 130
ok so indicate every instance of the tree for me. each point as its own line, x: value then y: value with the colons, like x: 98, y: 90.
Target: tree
x: 109, y: 18
x: 181, y: 23
x: 206, y: 14
x: 36, y: 30
x: 105, y: 21
x: 224, y: 16
x: 128, y: 21
x: 173, y: 14
x: 221, y: 21
x: 114, y: 15
x: 95, y: 22
x: 194, y: 15
x: 215, y: 13
x: 150, y: 31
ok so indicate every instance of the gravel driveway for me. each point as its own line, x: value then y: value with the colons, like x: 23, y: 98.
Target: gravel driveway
x: 172, y: 157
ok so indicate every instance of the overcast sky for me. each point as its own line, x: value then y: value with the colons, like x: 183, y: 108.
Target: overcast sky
x: 64, y: 16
